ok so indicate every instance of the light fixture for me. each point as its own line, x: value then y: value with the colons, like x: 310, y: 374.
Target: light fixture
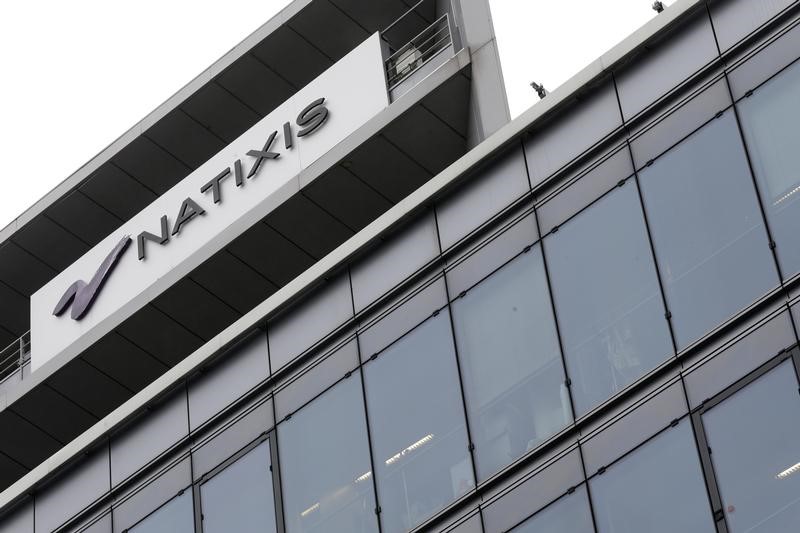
x: 396, y: 457
x: 310, y: 510
x: 787, y: 195
x: 364, y: 477
x: 788, y: 472
x: 658, y: 7
x: 539, y: 88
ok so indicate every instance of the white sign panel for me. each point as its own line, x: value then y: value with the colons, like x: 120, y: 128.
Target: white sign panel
x: 209, y: 208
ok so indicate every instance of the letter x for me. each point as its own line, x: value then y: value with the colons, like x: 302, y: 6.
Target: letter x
x: 261, y: 155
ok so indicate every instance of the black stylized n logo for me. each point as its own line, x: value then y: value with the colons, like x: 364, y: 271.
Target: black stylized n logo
x: 81, y: 294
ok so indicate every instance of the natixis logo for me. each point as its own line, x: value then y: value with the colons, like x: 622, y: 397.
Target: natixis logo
x: 80, y: 294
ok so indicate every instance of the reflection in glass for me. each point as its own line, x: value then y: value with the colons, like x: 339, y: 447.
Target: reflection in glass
x: 707, y: 229
x: 754, y: 438
x: 513, y: 377
x: 240, y: 497
x: 658, y: 488
x: 176, y: 516
x: 570, y: 514
x: 607, y: 297
x: 769, y: 120
x: 325, y: 468
x: 419, y: 435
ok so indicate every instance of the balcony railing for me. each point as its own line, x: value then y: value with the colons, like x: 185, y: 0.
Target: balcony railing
x: 15, y: 356
x: 421, y: 49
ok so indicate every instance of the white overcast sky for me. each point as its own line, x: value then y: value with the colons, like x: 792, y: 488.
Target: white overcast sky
x: 76, y: 75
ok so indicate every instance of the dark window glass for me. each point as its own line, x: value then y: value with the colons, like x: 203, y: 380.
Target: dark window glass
x: 708, y: 233
x: 770, y: 118
x: 240, y: 497
x: 607, y: 297
x: 658, y: 488
x: 754, y: 438
x: 175, y: 516
x: 513, y: 377
x: 419, y: 436
x: 325, y: 468
x: 570, y: 514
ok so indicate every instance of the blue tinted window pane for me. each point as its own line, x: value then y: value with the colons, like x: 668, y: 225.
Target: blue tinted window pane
x: 240, y: 498
x: 707, y: 229
x: 176, y: 516
x: 416, y: 416
x: 325, y: 468
x: 570, y: 514
x: 658, y: 488
x: 511, y: 363
x: 607, y: 297
x: 769, y: 119
x: 754, y: 437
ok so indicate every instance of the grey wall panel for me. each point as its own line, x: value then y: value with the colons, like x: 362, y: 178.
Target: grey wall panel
x: 634, y: 428
x: 494, y: 188
x: 147, y: 438
x: 574, y: 131
x: 393, y: 262
x: 587, y: 185
x: 150, y: 497
x: 735, y: 19
x: 232, y: 436
x: 475, y: 264
x: 241, y: 369
x: 470, y: 525
x: 95, y: 524
x: 19, y: 521
x: 733, y: 363
x: 668, y: 63
x: 533, y: 494
x: 297, y: 330
x: 382, y: 333
x: 677, y: 125
x: 78, y: 488
x: 316, y: 377
x: 760, y: 67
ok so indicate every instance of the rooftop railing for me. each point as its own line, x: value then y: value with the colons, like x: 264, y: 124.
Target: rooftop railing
x: 418, y: 51
x: 15, y: 356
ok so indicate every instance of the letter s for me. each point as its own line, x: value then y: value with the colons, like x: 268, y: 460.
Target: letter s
x: 312, y: 117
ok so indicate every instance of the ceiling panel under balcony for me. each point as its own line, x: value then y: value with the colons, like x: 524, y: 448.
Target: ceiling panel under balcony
x: 221, y: 112
x: 328, y: 28
x: 118, y: 192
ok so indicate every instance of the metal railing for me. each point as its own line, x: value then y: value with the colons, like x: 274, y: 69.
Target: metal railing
x: 418, y: 51
x: 14, y: 356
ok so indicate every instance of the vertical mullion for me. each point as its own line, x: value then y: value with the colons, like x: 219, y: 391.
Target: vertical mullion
x: 277, y: 484
x: 471, y: 442
x: 707, y: 466
x: 360, y: 370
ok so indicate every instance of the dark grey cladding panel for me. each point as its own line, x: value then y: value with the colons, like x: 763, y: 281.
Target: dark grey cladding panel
x: 21, y: 270
x: 386, y: 169
x: 220, y: 112
x: 151, y: 165
x: 309, y: 226
x: 292, y: 56
x: 328, y: 28
x: 432, y: 141
x: 24, y: 443
x: 94, y: 391
x: 117, y: 191
x: 256, y: 85
x: 185, y: 138
x: 83, y: 217
x: 234, y: 281
x: 13, y: 312
x: 261, y: 245
x: 377, y: 15
x: 197, y: 309
x: 49, y: 242
x: 160, y: 335
x: 54, y: 413
x: 451, y: 102
x: 124, y: 361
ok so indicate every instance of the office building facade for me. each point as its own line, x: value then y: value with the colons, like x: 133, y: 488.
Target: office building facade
x: 340, y: 291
